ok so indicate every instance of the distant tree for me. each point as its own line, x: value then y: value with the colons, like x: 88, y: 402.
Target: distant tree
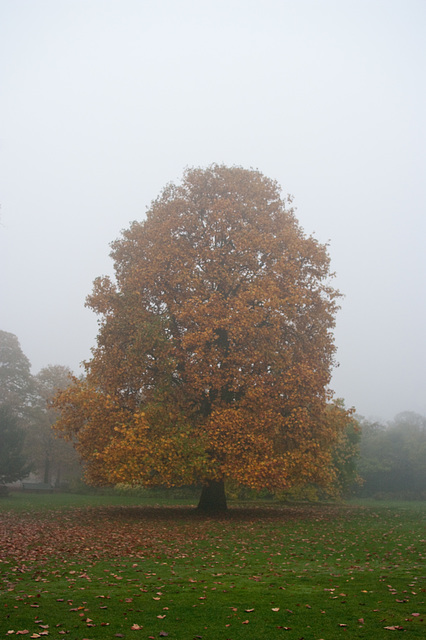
x: 215, y: 346
x: 392, y: 456
x: 27, y: 398
x: 16, y: 396
x: 13, y: 463
x: 50, y: 455
x: 16, y: 382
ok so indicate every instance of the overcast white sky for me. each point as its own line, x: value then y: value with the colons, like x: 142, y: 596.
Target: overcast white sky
x: 102, y: 102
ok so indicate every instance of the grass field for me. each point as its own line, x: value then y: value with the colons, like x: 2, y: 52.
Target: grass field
x: 89, y: 567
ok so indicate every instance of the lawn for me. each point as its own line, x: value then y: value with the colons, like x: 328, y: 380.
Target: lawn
x: 89, y: 567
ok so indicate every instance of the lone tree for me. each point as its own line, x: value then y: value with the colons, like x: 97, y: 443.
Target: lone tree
x: 215, y: 346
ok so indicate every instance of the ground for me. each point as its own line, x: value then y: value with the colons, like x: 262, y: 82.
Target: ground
x: 86, y: 568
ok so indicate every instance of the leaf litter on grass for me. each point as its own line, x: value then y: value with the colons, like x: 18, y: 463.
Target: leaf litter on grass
x: 298, y: 570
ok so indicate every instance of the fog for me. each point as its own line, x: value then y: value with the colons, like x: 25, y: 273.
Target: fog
x: 104, y: 102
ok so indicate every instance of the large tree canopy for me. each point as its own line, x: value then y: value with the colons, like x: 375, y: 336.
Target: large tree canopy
x: 215, y: 344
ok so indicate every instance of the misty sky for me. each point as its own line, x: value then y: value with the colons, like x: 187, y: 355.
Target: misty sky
x: 103, y: 102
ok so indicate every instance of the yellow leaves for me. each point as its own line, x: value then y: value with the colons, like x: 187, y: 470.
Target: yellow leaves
x: 215, y: 346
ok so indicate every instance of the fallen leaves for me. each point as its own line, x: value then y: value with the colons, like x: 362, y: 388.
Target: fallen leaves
x: 394, y: 628
x: 250, y: 551
x: 88, y: 533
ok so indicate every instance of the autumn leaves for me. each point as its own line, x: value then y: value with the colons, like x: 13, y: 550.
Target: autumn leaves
x: 215, y: 344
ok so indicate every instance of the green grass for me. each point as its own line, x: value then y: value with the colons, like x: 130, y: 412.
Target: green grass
x: 28, y: 501
x: 95, y: 566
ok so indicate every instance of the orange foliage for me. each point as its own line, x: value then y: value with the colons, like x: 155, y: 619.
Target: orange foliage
x: 215, y: 344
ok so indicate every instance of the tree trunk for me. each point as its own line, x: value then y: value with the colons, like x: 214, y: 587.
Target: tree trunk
x: 58, y: 476
x: 46, y: 470
x: 213, y: 497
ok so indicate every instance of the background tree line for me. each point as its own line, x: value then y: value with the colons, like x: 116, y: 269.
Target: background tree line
x: 392, y: 457
x: 27, y: 440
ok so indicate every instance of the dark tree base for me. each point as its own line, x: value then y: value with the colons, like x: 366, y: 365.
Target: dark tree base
x: 213, y: 497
